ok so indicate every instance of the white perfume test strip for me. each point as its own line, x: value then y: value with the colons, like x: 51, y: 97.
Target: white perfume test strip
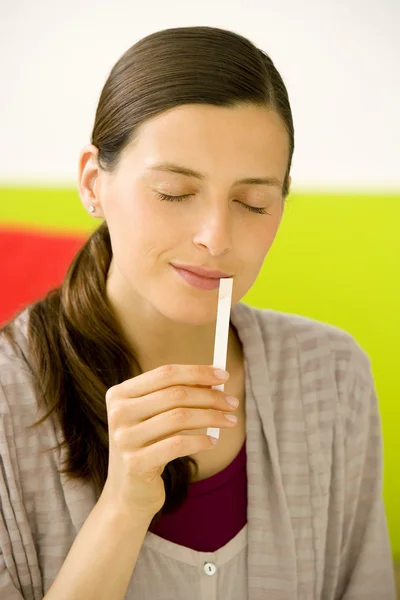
x: 221, y: 335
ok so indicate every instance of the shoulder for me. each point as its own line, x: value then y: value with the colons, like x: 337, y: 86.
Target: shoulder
x: 16, y: 350
x: 310, y: 336
x: 323, y: 355
x: 21, y: 444
x: 16, y: 389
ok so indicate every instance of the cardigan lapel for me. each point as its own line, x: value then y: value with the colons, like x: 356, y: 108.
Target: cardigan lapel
x: 271, y: 545
x: 284, y: 477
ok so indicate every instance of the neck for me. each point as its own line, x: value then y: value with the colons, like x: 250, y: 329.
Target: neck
x: 201, y: 355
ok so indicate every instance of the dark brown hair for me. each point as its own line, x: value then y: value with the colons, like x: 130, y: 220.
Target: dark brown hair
x: 76, y: 348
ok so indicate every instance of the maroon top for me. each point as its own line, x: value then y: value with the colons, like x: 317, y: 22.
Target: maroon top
x: 214, y: 511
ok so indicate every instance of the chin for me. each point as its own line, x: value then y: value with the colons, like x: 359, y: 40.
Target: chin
x: 190, y: 311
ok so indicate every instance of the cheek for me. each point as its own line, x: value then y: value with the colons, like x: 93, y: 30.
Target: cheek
x: 129, y: 215
x: 273, y: 229
x: 259, y: 238
x: 140, y: 235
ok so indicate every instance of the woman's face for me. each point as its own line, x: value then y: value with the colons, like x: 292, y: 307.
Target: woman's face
x: 212, y: 226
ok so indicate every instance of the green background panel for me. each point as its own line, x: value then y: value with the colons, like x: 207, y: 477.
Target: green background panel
x: 336, y: 258
x: 57, y: 210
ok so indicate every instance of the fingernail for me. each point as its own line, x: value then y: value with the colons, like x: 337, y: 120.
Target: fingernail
x: 232, y: 401
x: 232, y: 418
x: 219, y: 374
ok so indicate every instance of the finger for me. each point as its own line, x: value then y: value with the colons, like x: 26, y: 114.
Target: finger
x: 161, y: 453
x: 129, y: 412
x: 169, y: 423
x: 162, y: 377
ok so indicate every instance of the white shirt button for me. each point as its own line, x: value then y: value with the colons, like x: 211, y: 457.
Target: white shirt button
x: 209, y: 568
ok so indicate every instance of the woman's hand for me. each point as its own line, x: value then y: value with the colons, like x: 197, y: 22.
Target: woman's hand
x: 146, y: 417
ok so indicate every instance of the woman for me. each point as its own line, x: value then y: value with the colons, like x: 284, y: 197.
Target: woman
x: 116, y: 491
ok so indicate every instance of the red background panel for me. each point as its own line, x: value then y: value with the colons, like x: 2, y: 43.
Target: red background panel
x: 31, y: 264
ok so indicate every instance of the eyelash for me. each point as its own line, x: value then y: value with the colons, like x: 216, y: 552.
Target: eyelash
x: 166, y: 198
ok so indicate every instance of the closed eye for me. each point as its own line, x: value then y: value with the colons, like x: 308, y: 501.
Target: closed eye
x: 166, y: 198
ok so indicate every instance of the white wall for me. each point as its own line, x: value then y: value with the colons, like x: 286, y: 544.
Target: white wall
x: 339, y: 59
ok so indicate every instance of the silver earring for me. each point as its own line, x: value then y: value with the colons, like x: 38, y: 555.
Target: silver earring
x: 92, y: 208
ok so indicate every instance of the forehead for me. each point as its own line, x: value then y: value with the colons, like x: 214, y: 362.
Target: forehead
x: 210, y: 138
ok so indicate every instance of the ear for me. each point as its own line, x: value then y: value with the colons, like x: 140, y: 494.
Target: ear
x: 88, y: 178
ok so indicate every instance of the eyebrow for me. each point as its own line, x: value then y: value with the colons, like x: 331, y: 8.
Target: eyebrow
x: 173, y: 168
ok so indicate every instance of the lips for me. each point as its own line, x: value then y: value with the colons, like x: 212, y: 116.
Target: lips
x: 198, y: 281
x: 201, y: 271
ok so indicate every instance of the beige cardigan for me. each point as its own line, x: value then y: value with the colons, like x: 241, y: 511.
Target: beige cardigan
x: 316, y: 524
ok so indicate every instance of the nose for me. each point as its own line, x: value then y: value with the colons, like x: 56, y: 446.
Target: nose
x: 213, y: 230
